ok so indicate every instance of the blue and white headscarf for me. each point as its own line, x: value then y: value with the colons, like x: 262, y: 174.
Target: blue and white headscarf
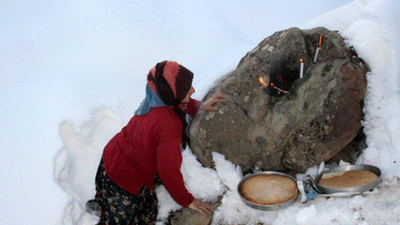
x: 151, y: 100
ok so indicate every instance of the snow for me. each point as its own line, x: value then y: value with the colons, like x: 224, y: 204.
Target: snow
x: 71, y: 75
x: 306, y: 215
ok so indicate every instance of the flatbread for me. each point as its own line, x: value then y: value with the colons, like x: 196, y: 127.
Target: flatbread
x: 348, y: 179
x: 268, y: 189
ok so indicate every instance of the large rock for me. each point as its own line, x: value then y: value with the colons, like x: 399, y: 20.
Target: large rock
x: 319, y: 116
x: 187, y: 216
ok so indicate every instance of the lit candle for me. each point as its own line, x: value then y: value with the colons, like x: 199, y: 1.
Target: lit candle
x: 318, y: 48
x: 301, y: 67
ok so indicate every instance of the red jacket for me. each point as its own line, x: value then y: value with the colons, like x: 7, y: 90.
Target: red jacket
x: 147, y: 145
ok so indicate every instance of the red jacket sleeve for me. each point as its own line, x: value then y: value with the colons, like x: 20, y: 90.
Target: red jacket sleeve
x: 169, y: 160
x: 193, y: 107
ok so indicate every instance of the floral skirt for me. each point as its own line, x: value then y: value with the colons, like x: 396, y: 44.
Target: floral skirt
x: 121, y: 207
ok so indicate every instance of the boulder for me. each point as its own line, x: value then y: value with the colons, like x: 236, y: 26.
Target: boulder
x: 186, y: 216
x: 289, y: 123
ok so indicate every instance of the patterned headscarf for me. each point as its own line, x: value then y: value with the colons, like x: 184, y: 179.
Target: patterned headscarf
x: 171, y: 82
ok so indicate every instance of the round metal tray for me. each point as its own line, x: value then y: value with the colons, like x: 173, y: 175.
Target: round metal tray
x: 267, y: 207
x: 359, y: 189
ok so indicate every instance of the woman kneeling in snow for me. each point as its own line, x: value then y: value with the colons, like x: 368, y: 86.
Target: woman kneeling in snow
x: 148, y: 145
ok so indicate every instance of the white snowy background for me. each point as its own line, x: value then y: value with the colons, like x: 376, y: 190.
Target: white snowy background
x: 72, y: 73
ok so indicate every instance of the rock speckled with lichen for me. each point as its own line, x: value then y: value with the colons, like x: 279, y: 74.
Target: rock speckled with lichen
x: 319, y: 116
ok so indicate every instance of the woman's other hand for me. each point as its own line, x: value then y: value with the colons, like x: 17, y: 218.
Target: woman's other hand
x: 209, y: 104
x: 200, y: 206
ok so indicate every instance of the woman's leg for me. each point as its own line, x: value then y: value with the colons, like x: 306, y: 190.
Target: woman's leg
x: 147, y: 207
x: 124, y: 208
x: 121, y: 207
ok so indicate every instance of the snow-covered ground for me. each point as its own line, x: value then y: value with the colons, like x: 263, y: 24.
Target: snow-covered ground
x: 71, y: 75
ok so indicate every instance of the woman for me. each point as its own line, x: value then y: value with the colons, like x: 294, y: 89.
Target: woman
x: 150, y: 145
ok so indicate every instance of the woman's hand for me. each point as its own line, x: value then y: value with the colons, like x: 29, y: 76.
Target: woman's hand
x: 201, y: 207
x: 209, y: 104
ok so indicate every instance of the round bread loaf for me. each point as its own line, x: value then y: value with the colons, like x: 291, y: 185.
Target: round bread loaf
x: 348, y: 179
x: 268, y: 189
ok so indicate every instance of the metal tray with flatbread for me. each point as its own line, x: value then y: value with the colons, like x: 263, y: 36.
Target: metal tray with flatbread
x: 351, y: 178
x: 268, y: 190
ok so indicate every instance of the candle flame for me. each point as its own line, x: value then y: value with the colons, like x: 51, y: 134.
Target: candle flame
x: 320, y: 42
x: 301, y: 58
x: 262, y: 82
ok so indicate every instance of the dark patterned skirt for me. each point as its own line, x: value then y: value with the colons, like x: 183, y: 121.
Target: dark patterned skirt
x: 121, y: 207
